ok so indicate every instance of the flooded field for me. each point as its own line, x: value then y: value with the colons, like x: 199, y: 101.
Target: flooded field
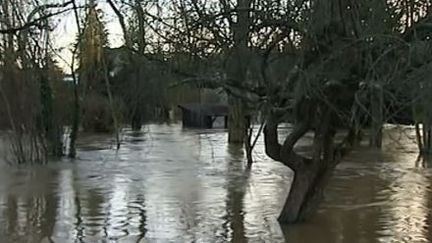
x: 169, y: 184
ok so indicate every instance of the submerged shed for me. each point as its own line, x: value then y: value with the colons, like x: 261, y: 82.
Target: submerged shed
x: 204, y: 115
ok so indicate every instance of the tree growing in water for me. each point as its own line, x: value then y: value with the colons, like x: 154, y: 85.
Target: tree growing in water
x: 294, y: 51
x: 321, y: 98
x: 28, y: 74
x: 369, y: 40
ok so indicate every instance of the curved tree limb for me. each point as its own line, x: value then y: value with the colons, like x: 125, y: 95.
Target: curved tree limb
x: 30, y: 23
x: 272, y: 145
x: 287, y: 153
x: 122, y: 22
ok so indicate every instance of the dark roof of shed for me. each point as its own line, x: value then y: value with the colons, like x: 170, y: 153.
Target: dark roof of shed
x: 206, y: 109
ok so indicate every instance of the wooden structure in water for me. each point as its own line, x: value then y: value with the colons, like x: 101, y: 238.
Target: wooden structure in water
x: 204, y: 115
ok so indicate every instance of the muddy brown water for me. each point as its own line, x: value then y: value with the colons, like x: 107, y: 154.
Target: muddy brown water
x: 170, y: 184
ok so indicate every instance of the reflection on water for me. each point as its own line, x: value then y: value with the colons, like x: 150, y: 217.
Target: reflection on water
x: 174, y: 185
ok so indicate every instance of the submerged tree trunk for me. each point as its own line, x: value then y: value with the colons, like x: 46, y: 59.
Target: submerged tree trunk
x: 310, y: 174
x: 248, y: 145
x: 423, y: 116
x: 112, y: 105
x: 377, y: 117
x: 76, y: 114
x: 236, y: 121
x: 136, y: 121
x: 300, y: 186
x: 419, y: 137
x: 237, y: 69
x: 250, y: 142
x: 306, y: 193
x: 52, y: 130
x: 423, y: 138
x: 426, y: 138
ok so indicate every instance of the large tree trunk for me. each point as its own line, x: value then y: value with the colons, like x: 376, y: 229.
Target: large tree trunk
x: 299, y: 188
x: 236, y: 121
x: 311, y: 175
x: 136, y: 119
x: 306, y: 193
x: 237, y: 68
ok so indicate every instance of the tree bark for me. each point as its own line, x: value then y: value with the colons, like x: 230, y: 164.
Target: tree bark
x: 306, y: 192
x: 136, y: 119
x: 236, y: 124
x: 299, y: 187
x: 249, y: 147
x: 237, y: 68
x: 377, y: 117
x: 310, y: 175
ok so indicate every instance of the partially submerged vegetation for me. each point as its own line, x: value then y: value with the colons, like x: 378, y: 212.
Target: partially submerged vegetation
x: 325, y: 66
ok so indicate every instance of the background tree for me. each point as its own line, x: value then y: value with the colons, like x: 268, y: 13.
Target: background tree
x: 28, y: 73
x: 313, y: 40
x: 91, y: 71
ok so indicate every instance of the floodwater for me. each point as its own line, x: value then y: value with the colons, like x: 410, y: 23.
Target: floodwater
x: 170, y: 184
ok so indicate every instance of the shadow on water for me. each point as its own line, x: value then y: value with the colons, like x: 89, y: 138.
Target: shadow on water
x: 169, y: 184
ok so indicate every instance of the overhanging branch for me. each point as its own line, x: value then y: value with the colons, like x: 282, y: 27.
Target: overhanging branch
x: 36, y: 22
